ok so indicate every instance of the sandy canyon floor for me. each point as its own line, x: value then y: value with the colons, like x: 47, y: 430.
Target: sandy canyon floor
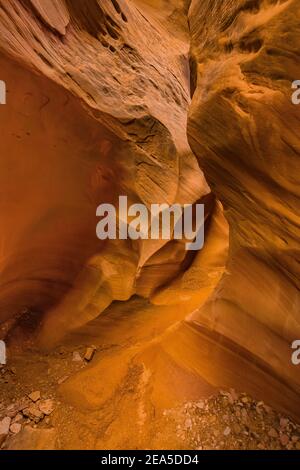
x: 116, y: 390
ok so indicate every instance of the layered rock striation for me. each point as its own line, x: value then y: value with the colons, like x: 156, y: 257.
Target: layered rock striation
x: 98, y: 95
x: 244, y: 129
x: 97, y: 99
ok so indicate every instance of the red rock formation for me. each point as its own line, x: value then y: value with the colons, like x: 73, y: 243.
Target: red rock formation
x: 97, y: 106
x: 244, y: 129
x: 98, y: 94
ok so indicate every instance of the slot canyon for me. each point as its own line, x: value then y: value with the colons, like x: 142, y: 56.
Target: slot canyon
x: 141, y: 344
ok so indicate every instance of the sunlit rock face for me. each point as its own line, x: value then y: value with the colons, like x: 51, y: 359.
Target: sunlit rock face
x: 97, y: 99
x: 244, y: 129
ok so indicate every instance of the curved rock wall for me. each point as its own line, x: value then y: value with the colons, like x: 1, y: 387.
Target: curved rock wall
x: 244, y: 129
x: 97, y: 98
x: 98, y: 94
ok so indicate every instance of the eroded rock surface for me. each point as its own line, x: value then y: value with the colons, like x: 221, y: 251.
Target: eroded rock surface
x: 98, y: 94
x: 245, y: 131
x: 97, y: 104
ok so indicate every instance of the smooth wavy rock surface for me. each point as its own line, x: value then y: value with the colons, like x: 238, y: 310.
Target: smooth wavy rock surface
x: 245, y: 131
x: 96, y: 108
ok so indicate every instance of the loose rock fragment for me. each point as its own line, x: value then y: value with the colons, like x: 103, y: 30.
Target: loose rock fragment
x: 284, y: 440
x: 62, y: 379
x: 35, y: 396
x: 76, y: 357
x: 89, y: 354
x: 273, y: 433
x: 46, y: 406
x: 284, y: 422
x: 15, y: 428
x: 18, y: 418
x: 4, y: 429
x: 33, y: 413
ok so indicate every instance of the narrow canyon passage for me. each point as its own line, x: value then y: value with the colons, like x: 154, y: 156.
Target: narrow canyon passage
x: 140, y: 343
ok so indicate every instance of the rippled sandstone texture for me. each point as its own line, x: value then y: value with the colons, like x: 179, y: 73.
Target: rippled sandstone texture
x: 98, y: 96
x: 245, y: 131
x: 97, y: 99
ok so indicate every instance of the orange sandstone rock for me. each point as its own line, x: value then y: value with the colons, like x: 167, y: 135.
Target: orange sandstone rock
x: 97, y: 99
x: 243, y: 128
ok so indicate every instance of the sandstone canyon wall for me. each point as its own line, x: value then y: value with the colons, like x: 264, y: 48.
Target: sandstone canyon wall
x: 99, y: 93
x: 97, y: 107
x: 244, y: 129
